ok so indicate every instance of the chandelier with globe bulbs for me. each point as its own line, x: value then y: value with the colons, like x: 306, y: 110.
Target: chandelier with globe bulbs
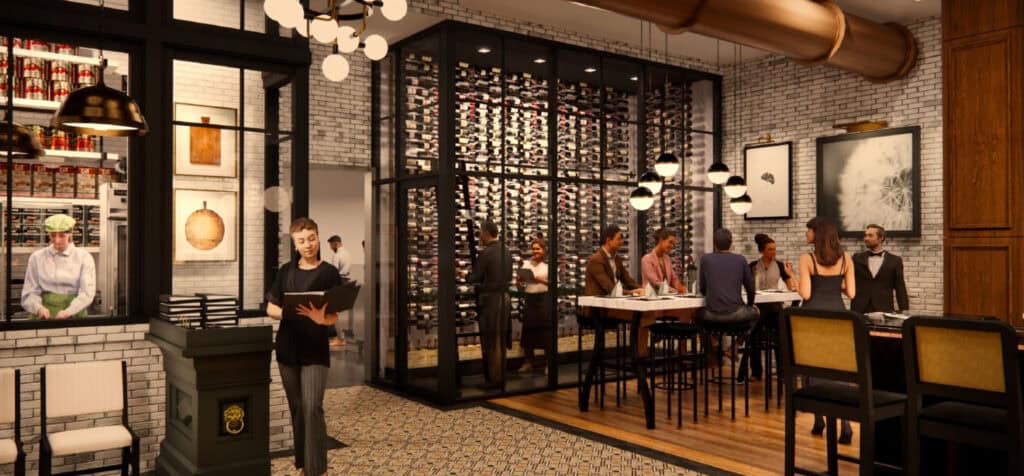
x: 325, y: 28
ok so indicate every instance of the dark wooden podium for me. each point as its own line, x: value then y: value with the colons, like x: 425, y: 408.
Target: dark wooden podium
x: 218, y: 399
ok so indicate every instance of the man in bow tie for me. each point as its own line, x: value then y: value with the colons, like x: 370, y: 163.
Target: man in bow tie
x: 878, y: 274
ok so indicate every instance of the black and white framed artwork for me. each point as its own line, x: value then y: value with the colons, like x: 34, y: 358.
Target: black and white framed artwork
x: 768, y: 169
x: 871, y: 177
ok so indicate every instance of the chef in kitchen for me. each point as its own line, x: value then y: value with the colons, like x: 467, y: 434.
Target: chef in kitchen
x: 60, y: 280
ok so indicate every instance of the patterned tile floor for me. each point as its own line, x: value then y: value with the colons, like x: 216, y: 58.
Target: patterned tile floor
x: 387, y: 434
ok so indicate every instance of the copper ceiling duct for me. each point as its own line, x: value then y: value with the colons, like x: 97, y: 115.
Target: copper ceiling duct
x: 806, y: 31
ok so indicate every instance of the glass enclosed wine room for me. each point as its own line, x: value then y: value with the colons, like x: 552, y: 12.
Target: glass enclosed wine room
x: 546, y: 140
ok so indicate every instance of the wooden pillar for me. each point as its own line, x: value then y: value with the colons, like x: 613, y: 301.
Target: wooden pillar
x: 983, y: 124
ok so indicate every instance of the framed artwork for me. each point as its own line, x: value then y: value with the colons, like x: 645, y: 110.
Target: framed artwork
x: 206, y: 151
x: 768, y: 169
x: 205, y: 225
x: 871, y: 177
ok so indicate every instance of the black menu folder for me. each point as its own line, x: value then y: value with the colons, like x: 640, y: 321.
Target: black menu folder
x: 339, y: 298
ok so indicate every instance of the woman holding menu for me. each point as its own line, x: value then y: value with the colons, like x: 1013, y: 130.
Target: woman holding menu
x: 302, y: 351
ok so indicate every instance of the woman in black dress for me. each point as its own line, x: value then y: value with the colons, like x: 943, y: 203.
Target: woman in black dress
x: 303, y: 356
x: 825, y: 275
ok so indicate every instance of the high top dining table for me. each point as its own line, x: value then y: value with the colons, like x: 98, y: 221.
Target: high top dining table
x: 638, y: 306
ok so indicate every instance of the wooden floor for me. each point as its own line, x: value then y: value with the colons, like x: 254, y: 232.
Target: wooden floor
x: 750, y: 445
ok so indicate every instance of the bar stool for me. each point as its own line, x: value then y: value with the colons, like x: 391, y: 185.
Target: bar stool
x: 735, y: 332
x: 675, y: 351
x: 610, y: 367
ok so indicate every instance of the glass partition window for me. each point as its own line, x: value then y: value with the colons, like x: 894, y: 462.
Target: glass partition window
x: 82, y: 177
x: 229, y: 155
x: 547, y: 142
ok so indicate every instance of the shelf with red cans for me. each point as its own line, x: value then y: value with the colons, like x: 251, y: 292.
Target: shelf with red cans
x: 76, y: 154
x: 46, y: 55
x: 38, y: 104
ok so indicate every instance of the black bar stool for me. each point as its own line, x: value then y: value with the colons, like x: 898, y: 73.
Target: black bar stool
x: 735, y: 332
x: 610, y: 367
x: 677, y: 354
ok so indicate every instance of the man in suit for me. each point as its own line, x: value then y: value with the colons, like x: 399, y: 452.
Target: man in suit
x: 878, y: 274
x: 604, y: 268
x: 492, y: 273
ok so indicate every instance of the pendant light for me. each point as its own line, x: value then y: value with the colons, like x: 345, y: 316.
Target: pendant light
x: 100, y: 110
x: 718, y: 173
x: 18, y: 140
x: 651, y: 181
x: 735, y: 186
x: 641, y: 199
x: 741, y: 205
x: 667, y: 165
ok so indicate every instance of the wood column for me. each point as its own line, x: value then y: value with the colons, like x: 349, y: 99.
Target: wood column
x: 983, y: 117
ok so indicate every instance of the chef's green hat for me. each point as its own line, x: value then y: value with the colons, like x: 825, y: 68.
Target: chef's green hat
x: 59, y: 223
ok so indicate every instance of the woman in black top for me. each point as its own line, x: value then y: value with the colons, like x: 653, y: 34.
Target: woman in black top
x: 302, y: 351
x: 825, y: 275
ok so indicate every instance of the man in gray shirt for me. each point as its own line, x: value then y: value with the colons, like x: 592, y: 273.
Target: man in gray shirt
x: 492, y: 273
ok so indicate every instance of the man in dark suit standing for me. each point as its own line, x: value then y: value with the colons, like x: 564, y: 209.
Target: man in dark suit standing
x: 878, y: 274
x: 492, y: 273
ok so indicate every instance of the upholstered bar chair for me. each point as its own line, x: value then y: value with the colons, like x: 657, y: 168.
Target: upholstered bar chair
x: 82, y: 389
x: 963, y: 386
x: 11, y: 451
x: 831, y: 349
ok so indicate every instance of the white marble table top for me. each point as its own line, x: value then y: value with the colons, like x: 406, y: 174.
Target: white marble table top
x: 666, y: 303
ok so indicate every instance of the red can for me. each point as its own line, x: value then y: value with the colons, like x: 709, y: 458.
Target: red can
x: 32, y: 68
x: 60, y: 71
x: 61, y: 48
x: 35, y: 88
x: 37, y: 45
x: 86, y: 77
x: 5, y: 39
x: 59, y: 90
x: 84, y: 143
x: 59, y: 140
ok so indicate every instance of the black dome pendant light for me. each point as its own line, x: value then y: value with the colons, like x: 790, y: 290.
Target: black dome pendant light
x: 100, y: 110
x: 17, y: 139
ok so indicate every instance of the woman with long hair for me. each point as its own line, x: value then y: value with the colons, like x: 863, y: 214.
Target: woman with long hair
x: 536, y: 324
x: 303, y: 356
x: 825, y: 275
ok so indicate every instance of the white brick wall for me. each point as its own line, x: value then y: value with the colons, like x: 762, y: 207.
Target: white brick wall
x: 800, y: 104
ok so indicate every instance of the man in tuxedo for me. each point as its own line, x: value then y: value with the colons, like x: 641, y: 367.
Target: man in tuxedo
x: 878, y: 273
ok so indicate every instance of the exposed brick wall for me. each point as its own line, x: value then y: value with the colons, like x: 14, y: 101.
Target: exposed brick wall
x: 799, y: 104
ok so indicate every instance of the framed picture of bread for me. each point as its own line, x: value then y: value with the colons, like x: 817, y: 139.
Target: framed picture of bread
x: 205, y: 225
x: 205, y: 140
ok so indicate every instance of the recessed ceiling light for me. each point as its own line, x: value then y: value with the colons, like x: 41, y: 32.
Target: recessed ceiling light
x: 540, y: 60
x: 590, y: 69
x: 634, y: 78
x: 483, y: 50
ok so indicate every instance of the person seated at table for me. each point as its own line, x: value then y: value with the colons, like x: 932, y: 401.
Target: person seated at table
x: 656, y: 269
x: 768, y: 272
x: 722, y: 276
x: 604, y: 270
x: 656, y: 266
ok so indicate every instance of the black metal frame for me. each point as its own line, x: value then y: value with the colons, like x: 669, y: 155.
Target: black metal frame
x: 789, y: 178
x: 445, y: 181
x: 129, y: 455
x: 919, y: 392
x: 864, y: 411
x: 832, y: 210
x: 151, y: 35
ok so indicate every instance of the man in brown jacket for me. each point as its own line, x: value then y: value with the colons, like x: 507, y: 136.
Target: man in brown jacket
x: 605, y: 267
